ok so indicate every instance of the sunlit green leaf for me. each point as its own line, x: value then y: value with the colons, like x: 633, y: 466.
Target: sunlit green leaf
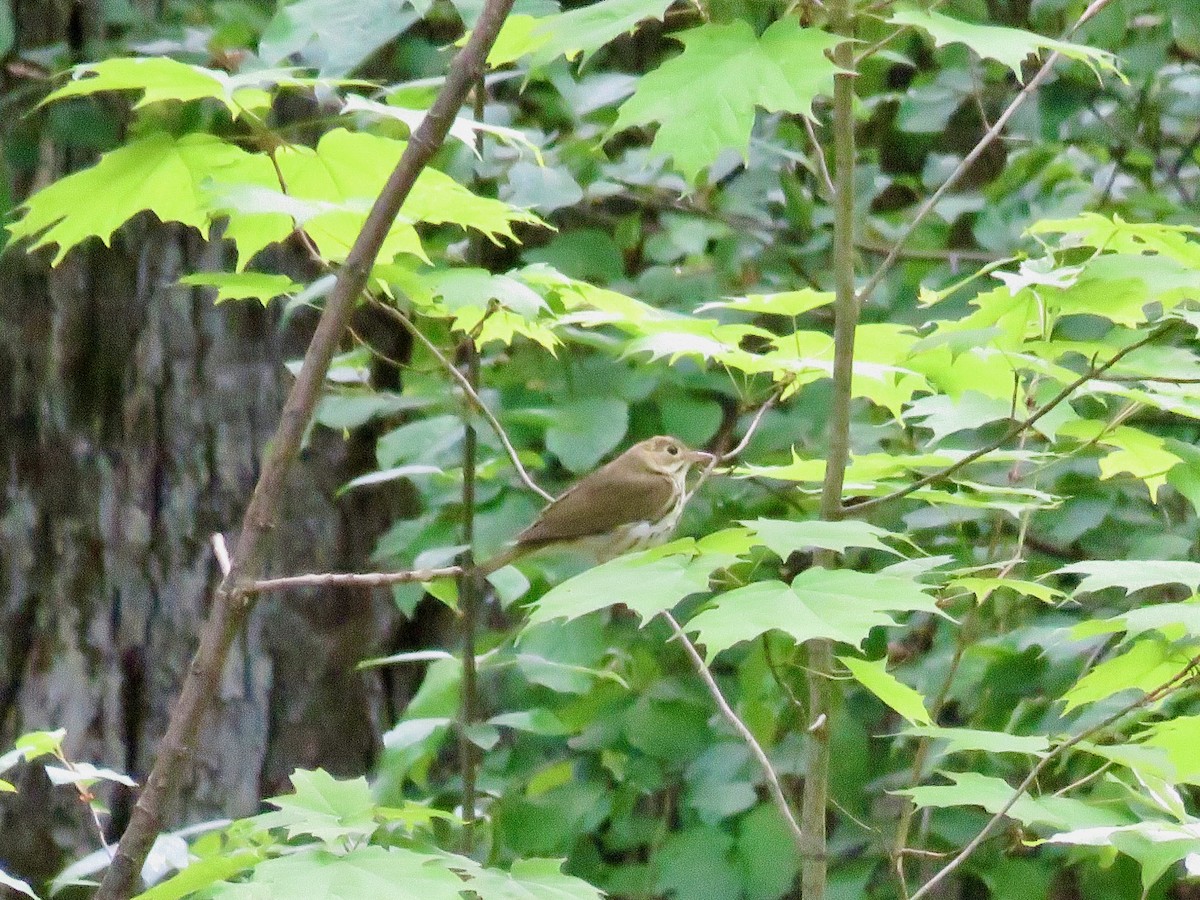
x: 704, y: 99
x: 1132, y: 574
x: 262, y: 286
x: 782, y: 537
x: 1009, y: 46
x: 158, y: 173
x: 1146, y: 666
x: 647, y: 582
x: 974, y: 789
x: 840, y: 604
x: 874, y: 676
x: 571, y: 33
x: 1172, y: 620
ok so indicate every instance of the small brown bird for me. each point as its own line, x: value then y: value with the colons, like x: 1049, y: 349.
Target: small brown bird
x: 632, y: 503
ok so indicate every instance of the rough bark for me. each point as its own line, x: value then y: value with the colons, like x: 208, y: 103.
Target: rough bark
x: 133, y: 415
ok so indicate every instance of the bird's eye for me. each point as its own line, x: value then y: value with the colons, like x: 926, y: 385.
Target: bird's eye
x: 672, y: 449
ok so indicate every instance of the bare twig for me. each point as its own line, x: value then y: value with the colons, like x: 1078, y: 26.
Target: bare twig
x: 471, y: 393
x: 752, y: 427
x: 874, y: 48
x: 967, y: 161
x: 221, y: 552
x: 818, y: 151
x: 1080, y: 782
x: 1154, y: 379
x: 721, y: 457
x: 231, y: 604
x: 1015, y: 429
x: 349, y: 579
x: 951, y: 256
x: 964, y: 854
x: 747, y: 736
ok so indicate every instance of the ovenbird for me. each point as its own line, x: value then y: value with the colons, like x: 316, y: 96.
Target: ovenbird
x: 632, y: 503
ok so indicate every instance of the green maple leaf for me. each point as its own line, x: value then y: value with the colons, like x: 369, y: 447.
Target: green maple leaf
x: 331, y: 188
x: 571, y: 33
x: 1132, y: 574
x: 157, y: 77
x: 161, y: 79
x: 1008, y: 46
x: 261, y: 286
x: 704, y: 99
x: 993, y: 794
x: 874, y: 676
x: 159, y: 173
x: 647, y: 582
x: 838, y: 604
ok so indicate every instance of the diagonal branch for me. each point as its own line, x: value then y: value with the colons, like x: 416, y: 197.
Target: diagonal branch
x: 470, y: 392
x: 1016, y: 428
x: 1184, y: 674
x: 741, y: 728
x: 231, y: 604
x: 349, y: 579
x: 967, y: 161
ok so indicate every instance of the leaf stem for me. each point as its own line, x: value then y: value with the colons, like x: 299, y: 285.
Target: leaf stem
x: 471, y: 394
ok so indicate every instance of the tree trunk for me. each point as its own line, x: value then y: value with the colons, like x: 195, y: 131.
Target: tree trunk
x: 133, y: 415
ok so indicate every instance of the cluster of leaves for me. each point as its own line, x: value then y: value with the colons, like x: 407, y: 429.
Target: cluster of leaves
x: 327, y: 838
x: 1020, y: 594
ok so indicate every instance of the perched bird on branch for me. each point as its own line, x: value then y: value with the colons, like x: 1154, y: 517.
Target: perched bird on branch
x: 632, y: 503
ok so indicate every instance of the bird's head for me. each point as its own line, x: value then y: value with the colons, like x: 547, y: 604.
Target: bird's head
x: 668, y: 455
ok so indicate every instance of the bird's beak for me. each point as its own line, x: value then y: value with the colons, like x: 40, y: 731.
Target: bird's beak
x: 700, y: 458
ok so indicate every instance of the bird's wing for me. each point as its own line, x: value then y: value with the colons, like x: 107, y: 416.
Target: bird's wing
x: 596, y: 506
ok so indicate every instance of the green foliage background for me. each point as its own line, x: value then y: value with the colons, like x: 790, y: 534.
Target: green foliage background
x: 643, y: 246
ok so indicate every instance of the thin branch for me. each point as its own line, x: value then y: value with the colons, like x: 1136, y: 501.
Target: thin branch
x: 967, y: 161
x: 819, y: 155
x: 1016, y: 429
x: 231, y: 605
x: 472, y: 396
x: 1080, y: 782
x: 752, y: 427
x: 470, y: 581
x: 874, y: 48
x: 760, y: 755
x: 934, y: 255
x: 1167, y: 687
x: 821, y: 696
x: 1155, y: 379
x: 221, y: 552
x: 719, y: 458
x: 349, y: 579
